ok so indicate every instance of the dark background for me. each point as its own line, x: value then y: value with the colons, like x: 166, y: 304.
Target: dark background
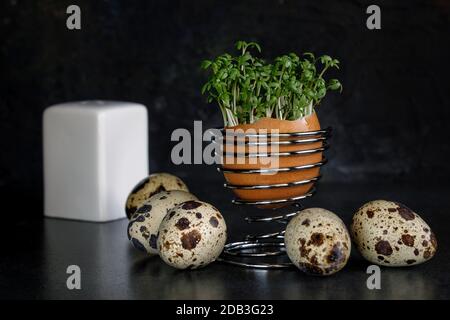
x: 390, y: 123
x: 389, y: 142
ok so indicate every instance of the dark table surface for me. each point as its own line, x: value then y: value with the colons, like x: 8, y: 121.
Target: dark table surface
x: 36, y: 253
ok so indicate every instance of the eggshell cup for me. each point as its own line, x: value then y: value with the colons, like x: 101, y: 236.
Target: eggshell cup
x: 305, y: 152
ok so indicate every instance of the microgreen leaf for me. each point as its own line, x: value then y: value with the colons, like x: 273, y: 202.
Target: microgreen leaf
x: 247, y: 88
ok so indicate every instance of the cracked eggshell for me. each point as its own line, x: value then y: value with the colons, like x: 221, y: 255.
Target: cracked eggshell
x: 144, y: 224
x: 317, y: 242
x: 149, y: 186
x: 191, y: 235
x: 390, y: 234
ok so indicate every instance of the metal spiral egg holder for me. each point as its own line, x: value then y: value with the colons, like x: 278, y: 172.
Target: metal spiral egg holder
x: 271, y: 245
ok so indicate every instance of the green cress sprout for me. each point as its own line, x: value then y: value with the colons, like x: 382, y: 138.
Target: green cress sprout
x: 247, y: 88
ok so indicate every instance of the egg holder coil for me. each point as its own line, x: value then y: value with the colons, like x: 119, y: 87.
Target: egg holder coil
x: 269, y: 245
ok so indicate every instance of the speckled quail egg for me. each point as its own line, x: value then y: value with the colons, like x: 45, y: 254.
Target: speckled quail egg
x: 317, y: 242
x: 149, y: 186
x: 191, y: 235
x: 390, y: 234
x: 144, y: 224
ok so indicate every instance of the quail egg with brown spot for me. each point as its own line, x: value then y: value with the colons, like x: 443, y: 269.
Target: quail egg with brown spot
x: 144, y: 224
x: 191, y: 235
x: 149, y: 186
x: 317, y: 242
x: 390, y: 234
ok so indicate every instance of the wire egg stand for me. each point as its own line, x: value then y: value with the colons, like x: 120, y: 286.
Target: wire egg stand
x: 255, y: 250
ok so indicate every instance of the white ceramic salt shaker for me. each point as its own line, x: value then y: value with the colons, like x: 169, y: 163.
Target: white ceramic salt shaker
x: 94, y: 153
